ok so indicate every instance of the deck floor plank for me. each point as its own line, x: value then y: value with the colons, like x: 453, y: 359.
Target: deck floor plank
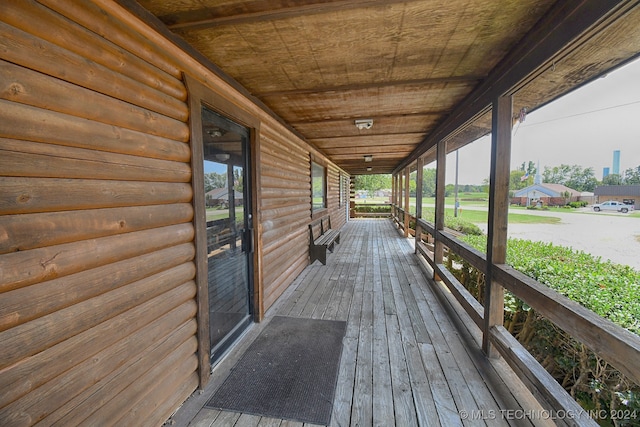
x: 381, y: 370
x: 405, y: 360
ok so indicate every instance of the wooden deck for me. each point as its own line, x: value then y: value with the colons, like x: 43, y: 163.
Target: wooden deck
x: 407, y: 358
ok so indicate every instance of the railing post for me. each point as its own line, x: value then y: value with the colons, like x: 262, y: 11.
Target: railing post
x: 393, y: 194
x: 398, y: 190
x: 419, y: 175
x: 396, y: 196
x: 441, y: 174
x: 498, y: 215
x: 407, y: 215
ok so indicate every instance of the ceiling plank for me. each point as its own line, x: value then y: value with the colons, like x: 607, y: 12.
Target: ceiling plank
x: 415, y: 82
x: 367, y: 141
x: 419, y: 115
x: 193, y: 19
x: 564, y: 25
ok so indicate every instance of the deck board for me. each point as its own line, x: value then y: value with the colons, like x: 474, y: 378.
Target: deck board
x: 405, y: 361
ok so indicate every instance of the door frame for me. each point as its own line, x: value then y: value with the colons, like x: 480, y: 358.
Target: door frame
x: 200, y: 95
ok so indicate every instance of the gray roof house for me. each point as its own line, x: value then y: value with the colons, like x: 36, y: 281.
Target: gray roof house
x: 629, y: 194
x: 550, y: 194
x: 549, y: 190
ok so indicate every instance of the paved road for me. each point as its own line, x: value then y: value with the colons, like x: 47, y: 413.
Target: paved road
x: 612, y: 236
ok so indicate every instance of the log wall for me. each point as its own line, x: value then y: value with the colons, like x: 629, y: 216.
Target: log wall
x: 97, y: 293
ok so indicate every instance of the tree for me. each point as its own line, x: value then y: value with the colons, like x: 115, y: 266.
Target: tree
x: 582, y: 179
x: 575, y: 177
x: 518, y: 181
x: 429, y: 182
x: 372, y: 183
x: 529, y: 168
x: 522, y: 177
x: 632, y: 176
x: 214, y: 180
x: 612, y: 179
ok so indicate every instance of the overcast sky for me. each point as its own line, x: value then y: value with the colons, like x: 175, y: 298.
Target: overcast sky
x: 582, y: 128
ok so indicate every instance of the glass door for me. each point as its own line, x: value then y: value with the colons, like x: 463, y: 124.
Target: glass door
x: 229, y: 229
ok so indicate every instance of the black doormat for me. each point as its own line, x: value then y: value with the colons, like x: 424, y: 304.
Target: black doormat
x: 290, y: 372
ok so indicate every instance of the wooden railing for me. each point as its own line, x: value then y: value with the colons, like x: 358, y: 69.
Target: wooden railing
x: 616, y: 345
x: 386, y: 212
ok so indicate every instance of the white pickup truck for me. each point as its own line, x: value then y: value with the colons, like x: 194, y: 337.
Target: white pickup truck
x: 612, y: 205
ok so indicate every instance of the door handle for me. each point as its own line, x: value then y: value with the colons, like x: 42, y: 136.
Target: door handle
x: 247, y: 240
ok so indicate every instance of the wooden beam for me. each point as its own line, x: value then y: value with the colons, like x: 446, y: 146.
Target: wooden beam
x: 398, y: 184
x: 441, y: 174
x: 419, y: 178
x: 218, y: 16
x: 431, y: 113
x: 407, y: 172
x: 562, y: 27
x: 471, y: 79
x: 538, y: 380
x: 498, y: 215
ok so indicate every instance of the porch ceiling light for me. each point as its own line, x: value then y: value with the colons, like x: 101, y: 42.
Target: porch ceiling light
x: 368, y: 158
x: 363, y: 124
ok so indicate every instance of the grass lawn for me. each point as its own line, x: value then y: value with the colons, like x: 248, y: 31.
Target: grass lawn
x: 475, y: 216
x: 214, y: 213
x: 480, y: 217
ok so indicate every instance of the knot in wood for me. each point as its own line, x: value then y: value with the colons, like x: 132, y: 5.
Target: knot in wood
x: 24, y: 198
x: 16, y: 89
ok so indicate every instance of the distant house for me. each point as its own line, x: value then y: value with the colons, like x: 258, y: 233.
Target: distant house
x: 220, y: 197
x: 547, y: 194
x: 382, y: 193
x: 628, y: 194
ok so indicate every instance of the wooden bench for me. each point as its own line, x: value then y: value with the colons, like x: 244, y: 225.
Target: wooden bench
x: 325, y: 240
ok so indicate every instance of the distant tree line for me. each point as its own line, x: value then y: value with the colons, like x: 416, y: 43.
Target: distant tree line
x: 630, y: 177
x: 572, y: 176
x: 373, y: 183
x: 213, y: 180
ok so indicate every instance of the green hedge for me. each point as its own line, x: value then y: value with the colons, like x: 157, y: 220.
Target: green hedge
x: 372, y: 208
x: 610, y: 290
x: 580, y: 204
x: 461, y: 225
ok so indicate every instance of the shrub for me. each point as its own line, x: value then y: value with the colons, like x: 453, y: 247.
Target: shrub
x: 461, y: 225
x: 580, y: 204
x: 610, y: 290
x: 372, y: 208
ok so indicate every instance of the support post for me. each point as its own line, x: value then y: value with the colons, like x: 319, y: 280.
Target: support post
x: 396, y: 199
x: 456, y: 200
x: 407, y: 171
x: 394, y: 194
x: 419, y: 176
x: 441, y: 174
x: 498, y: 215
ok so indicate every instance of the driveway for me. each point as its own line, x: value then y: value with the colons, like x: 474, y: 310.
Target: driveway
x: 612, y: 236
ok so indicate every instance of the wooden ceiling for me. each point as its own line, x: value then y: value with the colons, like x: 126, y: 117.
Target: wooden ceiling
x: 408, y: 65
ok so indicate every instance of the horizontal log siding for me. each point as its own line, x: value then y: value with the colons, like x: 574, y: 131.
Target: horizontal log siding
x: 96, y: 241
x: 285, y: 211
x: 337, y: 211
x: 97, y: 320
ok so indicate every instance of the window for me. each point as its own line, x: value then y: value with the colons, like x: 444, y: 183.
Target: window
x: 318, y: 187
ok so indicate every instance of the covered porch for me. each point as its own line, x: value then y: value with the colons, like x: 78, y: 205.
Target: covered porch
x: 410, y: 355
x: 110, y: 113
